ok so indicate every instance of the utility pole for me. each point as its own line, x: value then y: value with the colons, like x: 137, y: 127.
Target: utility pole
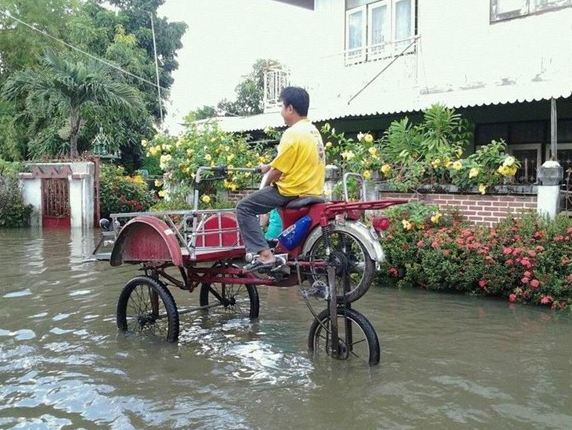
x: 156, y: 68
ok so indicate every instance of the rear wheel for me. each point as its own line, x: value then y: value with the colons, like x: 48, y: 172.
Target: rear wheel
x: 146, y: 307
x: 357, y: 339
x: 354, y: 267
x: 229, y: 299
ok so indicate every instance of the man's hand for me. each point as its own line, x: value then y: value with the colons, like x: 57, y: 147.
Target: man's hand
x: 264, y: 168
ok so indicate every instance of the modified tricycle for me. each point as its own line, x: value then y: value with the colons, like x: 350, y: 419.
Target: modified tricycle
x: 334, y: 258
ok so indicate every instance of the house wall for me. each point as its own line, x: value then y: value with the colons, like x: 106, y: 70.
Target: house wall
x: 479, y: 209
x: 459, y: 50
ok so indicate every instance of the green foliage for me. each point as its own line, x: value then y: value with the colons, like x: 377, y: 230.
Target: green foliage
x: 121, y: 36
x: 204, y: 145
x: 13, y: 211
x: 120, y: 193
x: 64, y: 89
x: 203, y: 112
x: 249, y: 92
x: 524, y: 260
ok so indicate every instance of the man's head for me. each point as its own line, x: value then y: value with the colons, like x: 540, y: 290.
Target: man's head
x: 295, y: 103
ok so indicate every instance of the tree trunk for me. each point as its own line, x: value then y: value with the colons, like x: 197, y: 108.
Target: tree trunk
x: 75, y: 121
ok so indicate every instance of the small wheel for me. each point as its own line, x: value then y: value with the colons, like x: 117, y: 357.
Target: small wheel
x: 147, y: 307
x: 354, y: 266
x: 237, y: 300
x: 357, y: 339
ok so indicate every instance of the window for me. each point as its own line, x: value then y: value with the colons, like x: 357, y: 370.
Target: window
x: 507, y: 9
x: 378, y: 28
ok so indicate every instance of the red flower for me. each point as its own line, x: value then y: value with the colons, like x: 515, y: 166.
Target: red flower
x: 535, y: 283
x: 483, y: 283
x: 527, y: 274
x: 393, y: 272
x: 512, y: 298
x: 546, y: 300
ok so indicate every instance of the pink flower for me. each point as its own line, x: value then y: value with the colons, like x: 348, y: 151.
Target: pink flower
x: 527, y: 274
x: 512, y: 298
x: 507, y: 250
x: 535, y: 283
x: 483, y: 283
x: 525, y: 280
x: 546, y: 300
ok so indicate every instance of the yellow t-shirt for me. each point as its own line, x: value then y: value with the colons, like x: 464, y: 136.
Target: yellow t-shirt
x: 301, y: 160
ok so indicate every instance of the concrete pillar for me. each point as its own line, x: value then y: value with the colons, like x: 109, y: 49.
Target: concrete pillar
x: 548, y: 198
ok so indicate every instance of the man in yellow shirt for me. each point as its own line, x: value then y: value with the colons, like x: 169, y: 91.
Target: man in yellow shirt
x: 298, y: 170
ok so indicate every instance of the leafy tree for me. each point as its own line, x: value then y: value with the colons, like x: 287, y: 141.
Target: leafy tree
x: 66, y: 90
x: 249, y: 92
x: 203, y: 112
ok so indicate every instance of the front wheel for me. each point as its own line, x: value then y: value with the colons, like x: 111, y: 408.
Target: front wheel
x: 357, y: 339
x: 146, y: 307
x: 354, y: 266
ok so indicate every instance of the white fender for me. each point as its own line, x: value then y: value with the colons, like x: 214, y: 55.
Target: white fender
x: 356, y: 229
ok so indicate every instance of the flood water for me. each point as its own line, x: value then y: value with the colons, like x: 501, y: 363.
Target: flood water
x: 447, y: 361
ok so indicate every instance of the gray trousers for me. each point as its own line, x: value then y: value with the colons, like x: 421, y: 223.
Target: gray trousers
x: 258, y: 203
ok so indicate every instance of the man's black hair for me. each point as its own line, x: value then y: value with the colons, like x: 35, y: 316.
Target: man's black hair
x: 296, y: 97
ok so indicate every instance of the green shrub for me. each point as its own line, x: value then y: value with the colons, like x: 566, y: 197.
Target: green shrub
x: 526, y: 260
x: 13, y: 211
x: 120, y: 193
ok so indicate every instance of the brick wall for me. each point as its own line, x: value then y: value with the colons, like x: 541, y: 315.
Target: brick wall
x: 481, y: 209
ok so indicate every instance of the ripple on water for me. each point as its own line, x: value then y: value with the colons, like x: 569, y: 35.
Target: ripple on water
x: 21, y: 293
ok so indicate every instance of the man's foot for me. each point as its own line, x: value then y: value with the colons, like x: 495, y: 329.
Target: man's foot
x: 262, y: 266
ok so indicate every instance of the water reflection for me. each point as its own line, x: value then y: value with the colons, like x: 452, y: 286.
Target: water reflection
x: 448, y: 361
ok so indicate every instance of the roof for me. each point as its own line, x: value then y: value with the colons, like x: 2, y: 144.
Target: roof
x: 308, y: 4
x: 413, y: 100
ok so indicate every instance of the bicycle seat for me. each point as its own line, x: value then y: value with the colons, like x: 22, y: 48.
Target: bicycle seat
x: 301, y: 202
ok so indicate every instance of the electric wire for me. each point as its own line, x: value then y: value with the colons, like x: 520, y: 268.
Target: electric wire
x: 93, y: 57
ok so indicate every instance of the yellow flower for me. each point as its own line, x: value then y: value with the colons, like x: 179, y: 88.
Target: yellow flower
x: 436, y: 217
x: 482, y: 188
x: 208, y: 157
x: 164, y: 160
x: 229, y: 158
x: 474, y: 172
x: 385, y: 169
x: 144, y: 143
x: 360, y: 136
x: 512, y: 171
x: 138, y: 179
x: 406, y: 225
x: 436, y: 163
x: 509, y: 161
x: 348, y: 155
x: 158, y: 183
x: 163, y: 193
x: 154, y: 150
x: 372, y: 151
x: 166, y: 147
x: 328, y: 144
x: 368, y: 138
x: 206, y: 199
x: 448, y: 163
x: 459, y: 152
x: 233, y: 187
x: 366, y: 174
x: 190, y: 151
x: 457, y: 165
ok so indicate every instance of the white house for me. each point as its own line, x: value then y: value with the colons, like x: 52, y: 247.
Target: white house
x: 504, y: 64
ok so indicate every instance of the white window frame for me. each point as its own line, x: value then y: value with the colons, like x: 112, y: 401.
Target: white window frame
x: 360, y: 57
x: 375, y: 51
x: 530, y: 8
x: 559, y: 146
x: 392, y: 46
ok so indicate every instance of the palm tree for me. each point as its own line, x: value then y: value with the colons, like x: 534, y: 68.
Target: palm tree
x: 65, y: 89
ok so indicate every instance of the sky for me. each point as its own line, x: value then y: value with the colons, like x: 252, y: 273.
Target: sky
x: 223, y: 40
